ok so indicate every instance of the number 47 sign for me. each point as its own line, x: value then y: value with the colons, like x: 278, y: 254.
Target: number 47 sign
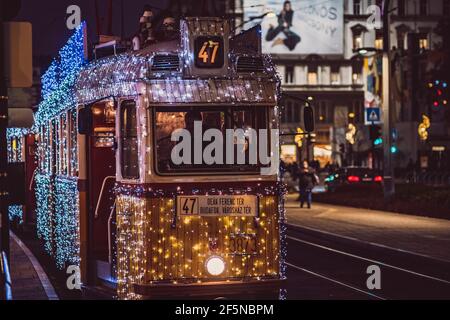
x: 209, y: 52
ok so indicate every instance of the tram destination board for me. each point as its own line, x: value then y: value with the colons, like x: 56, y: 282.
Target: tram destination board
x: 235, y: 205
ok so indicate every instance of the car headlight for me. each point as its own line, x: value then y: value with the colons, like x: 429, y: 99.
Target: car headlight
x: 215, y: 265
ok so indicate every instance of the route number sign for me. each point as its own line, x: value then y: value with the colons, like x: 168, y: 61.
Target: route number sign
x: 209, y: 52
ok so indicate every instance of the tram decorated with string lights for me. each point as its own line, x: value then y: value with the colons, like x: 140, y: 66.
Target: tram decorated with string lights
x: 116, y: 195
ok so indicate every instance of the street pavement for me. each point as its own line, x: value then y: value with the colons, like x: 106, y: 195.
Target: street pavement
x: 28, y: 279
x: 424, y: 236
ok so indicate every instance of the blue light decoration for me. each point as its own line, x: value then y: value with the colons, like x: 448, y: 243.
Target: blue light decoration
x: 57, y: 202
x: 15, y: 212
x: 44, y: 211
x: 66, y: 226
x: 59, y: 79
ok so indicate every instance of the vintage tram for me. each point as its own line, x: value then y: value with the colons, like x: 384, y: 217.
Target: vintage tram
x: 110, y: 197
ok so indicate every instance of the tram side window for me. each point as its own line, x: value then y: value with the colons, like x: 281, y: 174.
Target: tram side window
x: 73, y: 146
x: 54, y: 147
x: 129, y: 141
x: 63, y: 145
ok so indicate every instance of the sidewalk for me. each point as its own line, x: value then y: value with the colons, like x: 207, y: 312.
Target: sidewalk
x: 424, y: 236
x: 29, y: 281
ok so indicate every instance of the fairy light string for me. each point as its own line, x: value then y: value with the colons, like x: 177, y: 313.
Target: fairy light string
x: 153, y: 244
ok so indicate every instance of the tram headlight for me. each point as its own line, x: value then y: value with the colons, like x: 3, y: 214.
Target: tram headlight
x: 215, y: 265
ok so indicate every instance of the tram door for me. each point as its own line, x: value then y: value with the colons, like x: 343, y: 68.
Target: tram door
x: 30, y: 167
x: 101, y: 176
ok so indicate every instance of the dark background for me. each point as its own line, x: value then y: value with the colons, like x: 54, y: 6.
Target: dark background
x: 49, y: 20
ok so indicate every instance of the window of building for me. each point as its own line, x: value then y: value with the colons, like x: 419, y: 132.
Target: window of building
x: 335, y: 76
x: 357, y: 41
x: 446, y: 7
x: 296, y: 112
x: 129, y: 140
x: 401, y: 7
x: 322, y: 112
x: 423, y: 9
x: 312, y: 78
x: 379, y: 43
x: 356, y: 73
x: 288, y: 112
x: 423, y: 42
x: 289, y: 74
x: 400, y: 40
x: 357, y: 7
x: 312, y: 75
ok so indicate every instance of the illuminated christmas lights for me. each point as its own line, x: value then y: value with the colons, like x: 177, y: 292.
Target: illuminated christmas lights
x: 153, y: 244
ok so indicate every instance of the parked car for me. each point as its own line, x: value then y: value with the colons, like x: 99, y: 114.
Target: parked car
x: 352, y: 176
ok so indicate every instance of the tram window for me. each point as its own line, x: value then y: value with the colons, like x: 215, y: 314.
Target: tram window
x: 73, y: 146
x: 63, y: 145
x: 54, y: 147
x: 129, y: 140
x: 168, y: 120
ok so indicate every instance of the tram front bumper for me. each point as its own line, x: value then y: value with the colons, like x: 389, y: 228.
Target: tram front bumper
x: 248, y: 289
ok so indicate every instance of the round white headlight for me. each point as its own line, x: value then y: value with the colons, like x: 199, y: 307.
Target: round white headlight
x: 215, y: 265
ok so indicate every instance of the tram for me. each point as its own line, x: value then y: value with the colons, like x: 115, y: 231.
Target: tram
x: 111, y: 197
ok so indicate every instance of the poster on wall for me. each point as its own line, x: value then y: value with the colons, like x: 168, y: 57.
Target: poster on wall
x: 298, y: 26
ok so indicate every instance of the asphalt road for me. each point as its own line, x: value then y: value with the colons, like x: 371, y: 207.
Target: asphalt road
x: 321, y: 266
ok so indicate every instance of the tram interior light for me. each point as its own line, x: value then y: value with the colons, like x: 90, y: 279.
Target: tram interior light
x: 215, y: 265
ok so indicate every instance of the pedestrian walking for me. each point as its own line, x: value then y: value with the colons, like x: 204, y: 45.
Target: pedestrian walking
x: 306, y: 180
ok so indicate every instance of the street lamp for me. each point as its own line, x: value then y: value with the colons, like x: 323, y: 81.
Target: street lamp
x: 388, y: 172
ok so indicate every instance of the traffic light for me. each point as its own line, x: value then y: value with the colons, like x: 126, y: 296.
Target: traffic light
x: 438, y: 93
x: 375, y: 134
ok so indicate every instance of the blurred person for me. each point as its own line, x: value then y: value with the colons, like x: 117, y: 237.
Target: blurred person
x: 306, y: 182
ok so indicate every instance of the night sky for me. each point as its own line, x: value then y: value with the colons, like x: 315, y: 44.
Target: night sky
x: 49, y: 20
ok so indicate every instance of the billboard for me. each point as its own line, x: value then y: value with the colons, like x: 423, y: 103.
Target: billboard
x: 298, y: 26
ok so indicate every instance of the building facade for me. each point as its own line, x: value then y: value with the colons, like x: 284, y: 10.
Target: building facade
x: 342, y: 84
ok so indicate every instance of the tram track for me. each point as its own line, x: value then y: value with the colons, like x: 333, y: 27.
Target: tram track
x: 339, y: 268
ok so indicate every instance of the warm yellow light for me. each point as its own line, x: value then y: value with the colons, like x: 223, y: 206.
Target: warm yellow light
x: 215, y: 265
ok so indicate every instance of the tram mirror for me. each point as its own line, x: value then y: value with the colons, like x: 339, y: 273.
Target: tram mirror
x: 308, y: 118
x: 85, y: 120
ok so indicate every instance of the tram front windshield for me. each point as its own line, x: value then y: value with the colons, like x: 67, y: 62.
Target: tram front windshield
x: 169, y: 120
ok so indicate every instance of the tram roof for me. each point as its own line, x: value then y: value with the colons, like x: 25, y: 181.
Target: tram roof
x: 167, y: 68
x: 163, y: 68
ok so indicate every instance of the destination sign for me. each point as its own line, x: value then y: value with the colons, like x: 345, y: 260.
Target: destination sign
x: 237, y: 206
